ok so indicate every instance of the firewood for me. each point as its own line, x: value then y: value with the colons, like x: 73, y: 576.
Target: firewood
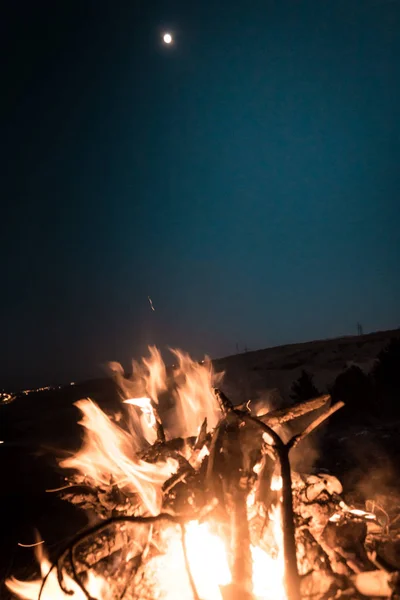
x: 292, y: 582
x: 236, y: 445
x: 283, y: 415
x: 296, y: 439
x: 235, y: 490
x: 347, y: 538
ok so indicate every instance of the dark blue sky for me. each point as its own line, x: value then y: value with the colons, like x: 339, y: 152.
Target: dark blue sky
x: 247, y: 178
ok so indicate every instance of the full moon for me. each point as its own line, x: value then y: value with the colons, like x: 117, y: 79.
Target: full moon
x: 167, y: 37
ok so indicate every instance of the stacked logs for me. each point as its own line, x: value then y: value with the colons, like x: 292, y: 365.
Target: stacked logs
x: 324, y: 541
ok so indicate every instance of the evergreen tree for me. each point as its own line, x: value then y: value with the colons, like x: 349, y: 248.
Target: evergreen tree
x: 303, y: 388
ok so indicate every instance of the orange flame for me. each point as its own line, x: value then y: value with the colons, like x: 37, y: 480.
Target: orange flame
x: 156, y: 375
x: 209, y: 565
x: 269, y: 570
x: 148, y: 379
x: 194, y: 396
x: 29, y: 590
x: 107, y: 455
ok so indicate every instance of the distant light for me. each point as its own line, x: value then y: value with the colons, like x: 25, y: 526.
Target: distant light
x: 1, y: 442
x: 167, y: 38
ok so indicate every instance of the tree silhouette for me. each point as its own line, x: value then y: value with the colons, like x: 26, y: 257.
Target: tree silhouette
x: 354, y: 388
x: 303, y: 388
x: 385, y: 374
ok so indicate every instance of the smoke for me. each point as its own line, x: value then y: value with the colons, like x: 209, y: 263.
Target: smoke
x: 306, y: 456
x: 374, y: 473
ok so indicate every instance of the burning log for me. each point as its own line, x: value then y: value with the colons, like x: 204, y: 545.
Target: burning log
x: 236, y: 489
x: 264, y: 493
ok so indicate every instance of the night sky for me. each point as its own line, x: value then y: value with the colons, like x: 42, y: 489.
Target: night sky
x: 246, y: 178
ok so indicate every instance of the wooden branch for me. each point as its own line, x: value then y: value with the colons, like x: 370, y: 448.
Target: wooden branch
x: 175, y: 479
x: 296, y: 439
x: 235, y: 494
x: 202, y: 436
x: 292, y: 581
x: 224, y: 402
x: 264, y: 426
x: 159, y: 425
x: 97, y: 529
x: 100, y: 547
x: 283, y: 415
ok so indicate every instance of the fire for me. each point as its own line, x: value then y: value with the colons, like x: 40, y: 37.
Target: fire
x: 107, y: 456
x: 209, y: 565
x: 207, y: 559
x: 149, y: 377
x: 112, y: 455
x: 194, y: 396
x: 194, y: 399
x: 269, y: 570
x: 29, y: 590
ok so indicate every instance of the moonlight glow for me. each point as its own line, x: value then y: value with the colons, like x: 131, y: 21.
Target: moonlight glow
x: 167, y: 37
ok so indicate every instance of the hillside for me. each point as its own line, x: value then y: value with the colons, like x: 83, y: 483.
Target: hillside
x: 255, y: 375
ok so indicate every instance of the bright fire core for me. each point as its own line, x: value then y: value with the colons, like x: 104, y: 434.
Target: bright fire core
x: 209, y: 565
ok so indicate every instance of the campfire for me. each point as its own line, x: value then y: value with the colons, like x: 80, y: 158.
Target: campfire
x: 191, y: 497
